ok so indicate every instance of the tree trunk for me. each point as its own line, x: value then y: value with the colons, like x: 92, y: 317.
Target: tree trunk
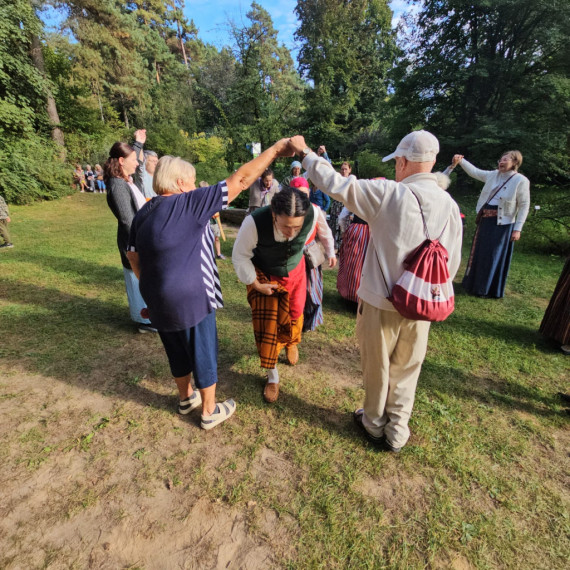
x: 38, y: 60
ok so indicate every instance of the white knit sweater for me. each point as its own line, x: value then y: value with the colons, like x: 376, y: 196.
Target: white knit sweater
x: 513, y: 200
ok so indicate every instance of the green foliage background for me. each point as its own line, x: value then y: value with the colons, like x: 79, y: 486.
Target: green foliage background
x: 483, y: 76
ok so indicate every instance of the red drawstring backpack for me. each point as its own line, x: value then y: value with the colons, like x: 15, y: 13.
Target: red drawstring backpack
x: 424, y: 292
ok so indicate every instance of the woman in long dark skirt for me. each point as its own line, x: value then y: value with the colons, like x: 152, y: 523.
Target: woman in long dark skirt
x: 556, y: 322
x: 502, y: 209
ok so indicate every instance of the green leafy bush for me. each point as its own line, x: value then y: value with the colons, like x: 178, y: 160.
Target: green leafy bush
x: 30, y: 170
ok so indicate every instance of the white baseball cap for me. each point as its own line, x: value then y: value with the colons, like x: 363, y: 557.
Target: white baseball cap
x: 419, y: 146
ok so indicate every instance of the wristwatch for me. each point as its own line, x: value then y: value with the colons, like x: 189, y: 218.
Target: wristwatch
x: 305, y: 152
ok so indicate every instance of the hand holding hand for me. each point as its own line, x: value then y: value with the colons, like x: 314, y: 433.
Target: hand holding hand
x: 457, y: 158
x: 283, y: 148
x: 140, y: 136
x: 265, y: 288
x: 515, y: 236
x: 332, y: 262
x: 298, y: 144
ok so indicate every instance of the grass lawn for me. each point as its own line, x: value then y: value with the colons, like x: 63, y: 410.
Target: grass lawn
x: 97, y: 470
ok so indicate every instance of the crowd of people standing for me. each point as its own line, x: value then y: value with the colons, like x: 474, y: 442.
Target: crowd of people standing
x: 168, y: 249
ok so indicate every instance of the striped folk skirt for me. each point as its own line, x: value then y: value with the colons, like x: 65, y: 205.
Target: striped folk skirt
x: 351, y: 259
x: 490, y: 258
x: 556, y: 321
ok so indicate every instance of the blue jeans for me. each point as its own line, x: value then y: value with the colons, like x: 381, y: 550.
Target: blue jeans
x: 136, y: 302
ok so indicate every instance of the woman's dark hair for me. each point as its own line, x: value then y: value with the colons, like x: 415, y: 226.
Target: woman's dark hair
x: 290, y: 202
x: 267, y: 172
x: 112, y: 168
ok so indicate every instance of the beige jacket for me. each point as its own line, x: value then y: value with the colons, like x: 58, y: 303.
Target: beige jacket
x: 395, y: 222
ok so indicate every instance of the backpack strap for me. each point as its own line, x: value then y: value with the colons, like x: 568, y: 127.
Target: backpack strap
x: 424, y: 219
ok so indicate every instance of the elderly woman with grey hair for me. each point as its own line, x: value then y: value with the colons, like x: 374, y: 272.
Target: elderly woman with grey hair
x: 170, y: 250
x: 145, y: 172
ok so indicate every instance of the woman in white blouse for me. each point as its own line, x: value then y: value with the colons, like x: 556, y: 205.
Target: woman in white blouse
x: 502, y: 209
x: 268, y: 258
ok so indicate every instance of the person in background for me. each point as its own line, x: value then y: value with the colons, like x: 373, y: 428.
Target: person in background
x: 337, y: 212
x: 4, y: 221
x: 125, y: 199
x: 295, y: 171
x: 79, y: 177
x: 90, y: 177
x: 262, y: 191
x: 392, y: 347
x: 355, y: 234
x: 555, y: 324
x: 322, y: 152
x: 313, y: 311
x: 215, y: 228
x: 319, y: 198
x: 502, y: 209
x: 99, y: 179
x: 145, y: 172
x: 170, y: 249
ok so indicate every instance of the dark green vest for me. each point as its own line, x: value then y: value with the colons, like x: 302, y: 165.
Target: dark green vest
x: 274, y: 257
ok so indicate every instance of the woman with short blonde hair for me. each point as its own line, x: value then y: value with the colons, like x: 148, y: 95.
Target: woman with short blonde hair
x: 171, y: 252
x: 502, y: 209
x: 168, y: 171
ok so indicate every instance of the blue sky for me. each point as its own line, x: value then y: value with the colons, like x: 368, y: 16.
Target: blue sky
x: 211, y: 17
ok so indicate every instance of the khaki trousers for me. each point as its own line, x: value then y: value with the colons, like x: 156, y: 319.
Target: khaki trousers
x: 392, y: 350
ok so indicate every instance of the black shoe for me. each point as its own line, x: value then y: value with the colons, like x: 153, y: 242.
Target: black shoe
x: 7, y: 245
x: 379, y: 442
x: 146, y: 329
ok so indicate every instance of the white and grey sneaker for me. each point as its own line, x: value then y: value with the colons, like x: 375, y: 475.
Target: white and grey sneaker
x: 191, y: 403
x: 222, y: 412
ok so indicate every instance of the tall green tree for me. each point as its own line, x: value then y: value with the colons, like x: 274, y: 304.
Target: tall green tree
x: 265, y: 98
x: 486, y: 76
x: 26, y: 146
x: 346, y: 51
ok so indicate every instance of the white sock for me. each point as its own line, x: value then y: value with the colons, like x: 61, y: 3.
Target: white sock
x: 273, y: 376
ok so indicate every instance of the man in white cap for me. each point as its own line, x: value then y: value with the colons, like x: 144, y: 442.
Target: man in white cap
x: 392, y: 347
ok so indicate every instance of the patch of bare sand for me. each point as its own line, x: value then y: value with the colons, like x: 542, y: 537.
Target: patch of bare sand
x: 107, y: 505
x: 339, y: 367
x: 399, y: 494
x: 452, y: 561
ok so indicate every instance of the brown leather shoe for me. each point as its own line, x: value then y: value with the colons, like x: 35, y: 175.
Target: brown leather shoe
x: 292, y: 355
x: 271, y: 392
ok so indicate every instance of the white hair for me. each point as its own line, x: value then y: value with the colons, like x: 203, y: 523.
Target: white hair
x: 168, y: 171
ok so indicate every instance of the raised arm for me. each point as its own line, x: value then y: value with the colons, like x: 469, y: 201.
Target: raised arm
x: 471, y: 170
x: 247, y: 173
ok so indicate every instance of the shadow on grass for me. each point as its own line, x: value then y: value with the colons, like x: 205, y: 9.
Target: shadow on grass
x: 51, y: 341
x: 524, y: 336
x: 77, y: 269
x: 495, y: 392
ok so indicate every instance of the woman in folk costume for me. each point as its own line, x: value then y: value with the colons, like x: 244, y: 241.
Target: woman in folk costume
x: 268, y: 258
x: 322, y: 234
x: 502, y: 209
x: 355, y: 237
